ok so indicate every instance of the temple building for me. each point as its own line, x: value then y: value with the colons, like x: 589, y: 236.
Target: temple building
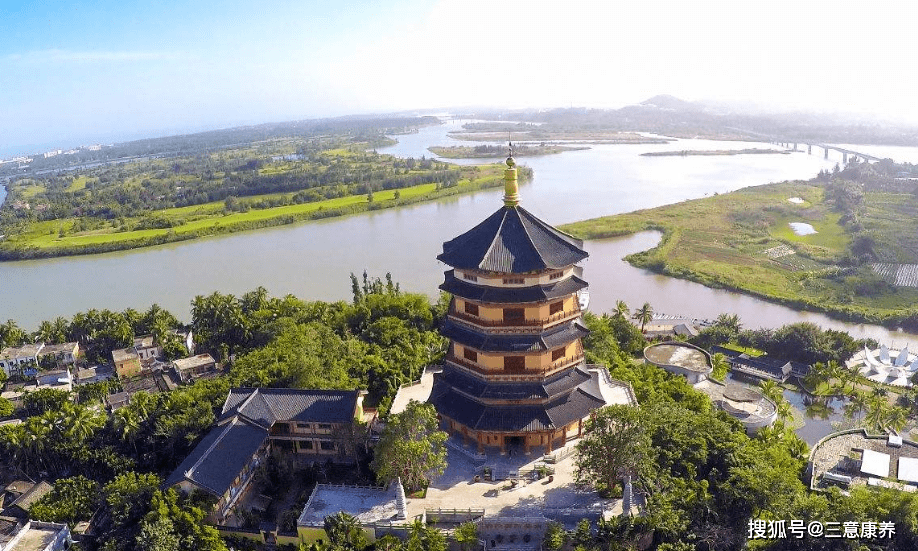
x: 514, y: 376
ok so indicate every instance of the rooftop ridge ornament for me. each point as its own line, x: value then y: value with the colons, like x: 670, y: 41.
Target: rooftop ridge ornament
x: 511, y: 185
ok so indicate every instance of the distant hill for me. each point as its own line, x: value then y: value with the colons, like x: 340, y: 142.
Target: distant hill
x: 665, y: 101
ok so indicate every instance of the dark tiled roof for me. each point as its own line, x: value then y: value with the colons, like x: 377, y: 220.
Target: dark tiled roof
x: 529, y: 417
x: 266, y: 406
x: 33, y: 494
x: 557, y: 336
x: 512, y: 240
x: 216, y: 462
x: 480, y: 388
x: 572, y: 395
x: 502, y: 295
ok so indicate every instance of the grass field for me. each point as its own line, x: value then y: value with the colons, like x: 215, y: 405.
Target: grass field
x: 742, y: 241
x: 54, y: 237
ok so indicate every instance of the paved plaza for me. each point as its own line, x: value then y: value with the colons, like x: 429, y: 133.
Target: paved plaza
x: 559, y: 499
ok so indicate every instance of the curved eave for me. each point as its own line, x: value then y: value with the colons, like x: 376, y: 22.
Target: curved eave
x: 512, y: 240
x: 511, y: 295
x: 558, y: 336
x: 477, y: 387
x: 566, y: 409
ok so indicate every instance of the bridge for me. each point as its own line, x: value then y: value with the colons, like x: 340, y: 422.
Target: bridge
x: 796, y: 146
x: 854, y: 156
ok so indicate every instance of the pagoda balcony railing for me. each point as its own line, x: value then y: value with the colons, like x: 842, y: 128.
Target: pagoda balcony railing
x: 554, y: 367
x: 515, y: 326
x: 564, y: 363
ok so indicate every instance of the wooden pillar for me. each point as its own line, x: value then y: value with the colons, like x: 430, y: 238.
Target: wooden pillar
x: 579, y: 428
x: 551, y: 436
x: 526, y: 443
x: 480, y: 445
x: 564, y: 436
x: 503, y: 445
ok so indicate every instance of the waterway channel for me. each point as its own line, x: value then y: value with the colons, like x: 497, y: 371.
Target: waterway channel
x: 313, y: 260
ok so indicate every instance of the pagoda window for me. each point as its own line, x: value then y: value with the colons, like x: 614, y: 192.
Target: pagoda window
x: 514, y: 281
x: 470, y: 355
x: 558, y: 354
x: 470, y: 277
x: 514, y: 364
x: 556, y: 307
x: 556, y: 275
x: 514, y: 314
x: 471, y: 309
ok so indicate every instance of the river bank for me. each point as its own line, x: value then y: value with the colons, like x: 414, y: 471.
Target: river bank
x: 712, y: 152
x: 499, y: 151
x: 53, y: 245
x: 741, y: 241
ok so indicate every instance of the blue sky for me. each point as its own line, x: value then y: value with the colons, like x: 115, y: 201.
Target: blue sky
x: 81, y: 72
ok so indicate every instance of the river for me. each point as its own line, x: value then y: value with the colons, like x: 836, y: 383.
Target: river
x: 313, y: 260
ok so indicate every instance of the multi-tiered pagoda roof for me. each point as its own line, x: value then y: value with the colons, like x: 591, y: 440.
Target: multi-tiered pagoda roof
x: 515, y: 372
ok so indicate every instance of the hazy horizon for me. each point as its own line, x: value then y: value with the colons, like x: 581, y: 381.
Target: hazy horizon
x: 102, y: 72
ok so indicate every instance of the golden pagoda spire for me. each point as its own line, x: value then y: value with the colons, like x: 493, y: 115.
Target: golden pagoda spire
x: 511, y: 186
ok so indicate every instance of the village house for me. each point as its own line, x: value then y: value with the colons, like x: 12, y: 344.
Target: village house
x: 20, y: 359
x: 188, y: 369
x: 127, y: 362
x: 61, y: 354
x: 146, y: 349
x: 312, y: 424
x: 34, y: 536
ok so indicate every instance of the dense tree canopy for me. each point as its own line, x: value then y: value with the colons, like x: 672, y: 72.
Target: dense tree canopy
x: 411, y: 447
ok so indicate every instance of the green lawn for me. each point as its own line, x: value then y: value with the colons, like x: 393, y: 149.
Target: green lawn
x: 211, y: 217
x: 742, y: 241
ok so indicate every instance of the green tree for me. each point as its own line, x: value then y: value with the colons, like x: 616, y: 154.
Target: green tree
x: 128, y: 496
x: 44, y: 399
x: 11, y: 335
x: 158, y: 535
x: 721, y: 367
x: 6, y: 407
x: 616, y: 444
x: 555, y: 536
x: 425, y: 538
x: 72, y: 500
x: 643, y: 314
x: 411, y: 447
x: 344, y: 532
x: 466, y: 535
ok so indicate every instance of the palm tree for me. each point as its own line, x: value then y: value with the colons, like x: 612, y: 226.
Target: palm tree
x: 847, y: 376
x: 344, y: 531
x: 621, y: 308
x: 127, y: 424
x: 643, y: 314
x: 730, y: 322
x: 876, y: 411
x: 771, y: 390
x: 896, y: 418
x: 785, y: 411
x: 857, y: 404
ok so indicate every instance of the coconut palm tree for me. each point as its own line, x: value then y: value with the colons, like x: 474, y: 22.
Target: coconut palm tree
x: 127, y: 425
x: 771, y: 390
x: 621, y: 308
x: 877, y: 407
x: 643, y: 314
x: 896, y: 418
x: 857, y: 404
x: 785, y: 411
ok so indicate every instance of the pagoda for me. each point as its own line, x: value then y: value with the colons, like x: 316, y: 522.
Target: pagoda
x: 514, y: 375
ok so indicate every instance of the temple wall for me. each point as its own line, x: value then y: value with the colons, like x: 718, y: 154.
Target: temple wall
x: 532, y: 312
